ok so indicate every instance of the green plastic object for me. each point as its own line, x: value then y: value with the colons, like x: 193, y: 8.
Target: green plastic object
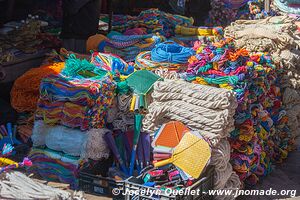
x: 141, y: 82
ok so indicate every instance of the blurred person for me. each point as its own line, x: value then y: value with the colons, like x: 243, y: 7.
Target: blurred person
x: 80, y: 21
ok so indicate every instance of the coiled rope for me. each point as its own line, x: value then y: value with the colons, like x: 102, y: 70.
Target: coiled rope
x: 171, y: 52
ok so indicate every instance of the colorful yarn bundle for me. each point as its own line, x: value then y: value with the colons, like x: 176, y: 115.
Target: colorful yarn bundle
x: 279, y: 36
x: 261, y: 135
x: 7, y: 164
x: 111, y: 63
x: 53, y: 166
x: 89, y: 144
x: 25, y: 91
x: 153, y: 21
x: 79, y: 99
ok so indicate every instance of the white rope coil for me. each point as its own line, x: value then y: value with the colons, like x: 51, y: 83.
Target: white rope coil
x: 19, y: 186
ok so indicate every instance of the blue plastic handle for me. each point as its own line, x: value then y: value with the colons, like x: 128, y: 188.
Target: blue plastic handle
x: 9, y: 130
x: 132, y: 161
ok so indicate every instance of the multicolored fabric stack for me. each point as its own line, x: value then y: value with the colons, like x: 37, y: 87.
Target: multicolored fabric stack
x: 71, y: 113
x: 128, y: 46
x: 75, y: 103
x: 261, y: 135
x: 53, y: 165
x: 153, y: 21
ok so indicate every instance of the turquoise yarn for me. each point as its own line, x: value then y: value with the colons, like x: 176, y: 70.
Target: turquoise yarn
x: 74, y: 67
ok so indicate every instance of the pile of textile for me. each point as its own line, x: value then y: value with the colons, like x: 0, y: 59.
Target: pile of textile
x: 224, y: 12
x: 25, y: 91
x: 87, y: 145
x: 25, y: 37
x: 261, y: 135
x: 71, y: 112
x: 206, y: 109
x: 278, y: 36
x: 124, y: 46
x: 25, y: 125
x: 152, y: 21
x: 75, y: 101
x: 53, y: 165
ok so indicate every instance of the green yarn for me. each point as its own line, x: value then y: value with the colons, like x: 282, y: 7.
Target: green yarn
x: 76, y: 68
x: 233, y: 80
x: 205, y: 68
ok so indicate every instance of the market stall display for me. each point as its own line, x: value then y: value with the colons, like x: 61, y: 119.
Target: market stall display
x: 162, y: 104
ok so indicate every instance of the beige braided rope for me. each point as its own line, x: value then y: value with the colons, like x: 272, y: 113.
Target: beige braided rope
x: 202, y: 108
x: 206, y: 109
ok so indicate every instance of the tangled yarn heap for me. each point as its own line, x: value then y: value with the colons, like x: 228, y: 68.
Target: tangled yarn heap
x: 261, y: 135
x: 206, y: 109
x: 278, y: 36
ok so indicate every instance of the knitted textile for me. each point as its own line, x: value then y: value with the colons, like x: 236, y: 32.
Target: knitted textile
x: 25, y: 91
x: 74, y: 103
x: 53, y: 166
x: 73, y: 142
x: 127, y: 47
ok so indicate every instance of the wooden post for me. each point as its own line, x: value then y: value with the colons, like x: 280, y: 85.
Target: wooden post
x: 267, y: 5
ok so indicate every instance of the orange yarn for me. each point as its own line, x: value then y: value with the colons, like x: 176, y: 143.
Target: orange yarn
x: 25, y: 92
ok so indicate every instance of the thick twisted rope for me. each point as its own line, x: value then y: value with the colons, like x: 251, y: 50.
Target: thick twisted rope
x: 201, y: 107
